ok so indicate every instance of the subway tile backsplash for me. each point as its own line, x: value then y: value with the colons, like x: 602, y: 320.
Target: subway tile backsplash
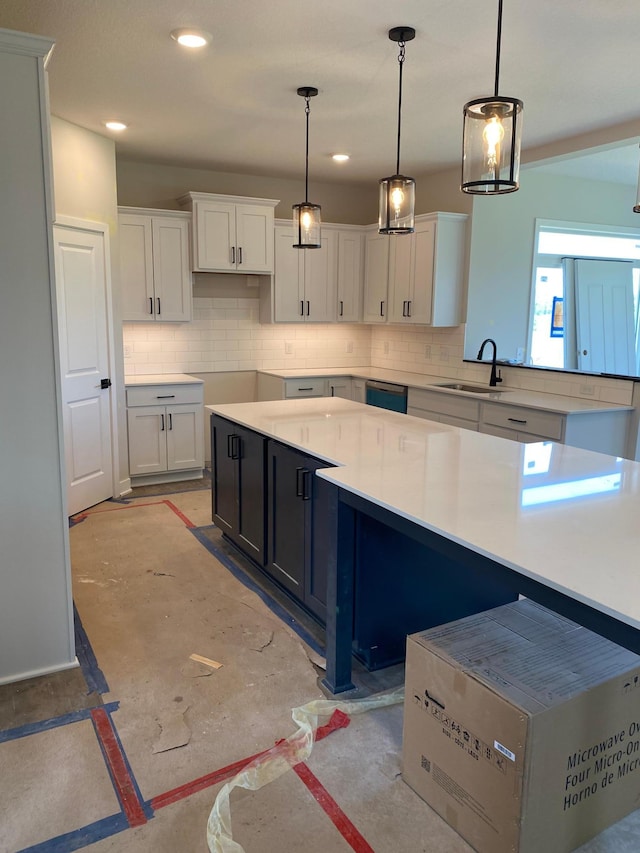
x: 225, y: 335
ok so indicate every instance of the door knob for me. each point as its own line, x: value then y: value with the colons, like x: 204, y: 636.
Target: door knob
x: 105, y: 383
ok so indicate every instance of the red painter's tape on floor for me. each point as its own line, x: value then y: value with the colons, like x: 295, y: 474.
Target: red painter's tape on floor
x: 338, y: 720
x: 180, y: 514
x: 123, y: 783
x: 333, y: 811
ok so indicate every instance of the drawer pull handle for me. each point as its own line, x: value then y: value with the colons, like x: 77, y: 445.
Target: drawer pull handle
x: 516, y: 421
x: 164, y: 396
x: 305, y: 389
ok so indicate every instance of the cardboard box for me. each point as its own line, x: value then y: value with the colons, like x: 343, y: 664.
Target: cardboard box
x: 522, y: 729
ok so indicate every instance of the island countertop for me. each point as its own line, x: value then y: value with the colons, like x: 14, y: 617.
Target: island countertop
x: 557, y: 514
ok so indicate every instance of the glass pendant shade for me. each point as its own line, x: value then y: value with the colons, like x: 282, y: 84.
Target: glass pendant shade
x: 491, y: 145
x: 306, y: 226
x: 397, y: 204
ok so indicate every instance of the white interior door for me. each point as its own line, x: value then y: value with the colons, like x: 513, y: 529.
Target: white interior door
x: 604, y: 316
x: 81, y: 288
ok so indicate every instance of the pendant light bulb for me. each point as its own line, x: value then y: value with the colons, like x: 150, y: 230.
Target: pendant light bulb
x: 397, y: 193
x: 493, y: 134
x: 491, y: 139
x: 306, y: 216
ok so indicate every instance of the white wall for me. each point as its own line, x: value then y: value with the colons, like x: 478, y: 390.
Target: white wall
x: 502, y: 244
x: 36, y: 620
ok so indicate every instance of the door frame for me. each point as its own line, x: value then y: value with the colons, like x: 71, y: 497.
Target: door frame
x: 100, y: 228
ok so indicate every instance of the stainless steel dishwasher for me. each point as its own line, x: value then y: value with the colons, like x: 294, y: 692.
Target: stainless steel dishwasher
x: 387, y: 395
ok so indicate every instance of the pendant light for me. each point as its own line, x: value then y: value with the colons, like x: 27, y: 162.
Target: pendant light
x: 306, y: 216
x: 491, y: 139
x: 636, y: 206
x: 397, y: 193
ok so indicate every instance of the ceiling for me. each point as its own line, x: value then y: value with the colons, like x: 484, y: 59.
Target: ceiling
x: 233, y: 106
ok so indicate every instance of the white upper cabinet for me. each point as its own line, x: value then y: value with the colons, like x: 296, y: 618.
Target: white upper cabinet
x: 155, y: 277
x: 231, y: 233
x: 350, y: 275
x: 422, y: 281
x: 376, y: 277
x: 304, y: 288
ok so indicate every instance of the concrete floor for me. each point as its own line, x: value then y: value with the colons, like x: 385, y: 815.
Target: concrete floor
x: 130, y: 751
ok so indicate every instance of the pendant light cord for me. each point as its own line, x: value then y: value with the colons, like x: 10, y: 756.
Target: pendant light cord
x: 498, y: 46
x: 307, y: 110
x: 400, y: 63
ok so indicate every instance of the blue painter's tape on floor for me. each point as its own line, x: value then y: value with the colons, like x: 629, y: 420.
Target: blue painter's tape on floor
x: 248, y: 581
x: 53, y: 723
x: 82, y: 837
x: 93, y: 675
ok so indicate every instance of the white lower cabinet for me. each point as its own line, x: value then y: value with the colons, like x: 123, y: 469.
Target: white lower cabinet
x: 340, y: 386
x: 166, y: 432
x: 443, y: 408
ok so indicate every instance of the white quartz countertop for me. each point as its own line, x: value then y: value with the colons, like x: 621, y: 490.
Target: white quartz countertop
x: 161, y: 379
x: 564, y: 516
x: 511, y: 396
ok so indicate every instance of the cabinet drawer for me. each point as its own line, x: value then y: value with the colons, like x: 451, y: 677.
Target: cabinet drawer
x: 158, y: 395
x: 523, y: 420
x: 445, y: 404
x: 316, y: 387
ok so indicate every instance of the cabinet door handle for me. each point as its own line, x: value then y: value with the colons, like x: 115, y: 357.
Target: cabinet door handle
x: 302, y: 308
x: 516, y: 421
x: 151, y: 305
x: 409, y: 308
x: 333, y: 390
x: 382, y: 308
x: 307, y: 307
x: 404, y: 309
x: 158, y: 306
x: 341, y: 308
x: 170, y: 421
x: 299, y: 473
x: 233, y: 446
x: 233, y: 255
x: 161, y: 423
x: 306, y: 484
x: 240, y: 254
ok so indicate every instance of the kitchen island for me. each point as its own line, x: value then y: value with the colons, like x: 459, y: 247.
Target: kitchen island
x: 446, y: 515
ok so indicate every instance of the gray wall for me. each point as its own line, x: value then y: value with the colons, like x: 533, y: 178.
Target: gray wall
x: 36, y: 625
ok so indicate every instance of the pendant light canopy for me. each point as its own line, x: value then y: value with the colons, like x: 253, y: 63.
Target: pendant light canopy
x: 397, y: 193
x: 306, y: 216
x: 491, y: 139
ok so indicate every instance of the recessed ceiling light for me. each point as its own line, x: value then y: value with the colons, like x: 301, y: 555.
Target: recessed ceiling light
x: 191, y: 37
x: 340, y: 158
x: 115, y: 125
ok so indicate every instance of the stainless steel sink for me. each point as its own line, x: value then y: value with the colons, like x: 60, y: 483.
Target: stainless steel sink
x: 474, y: 389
